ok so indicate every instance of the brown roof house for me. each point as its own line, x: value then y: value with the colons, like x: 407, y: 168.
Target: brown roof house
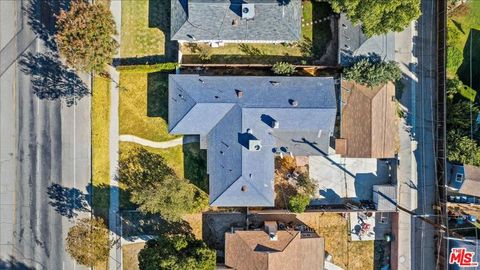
x: 272, y: 249
x: 368, y: 121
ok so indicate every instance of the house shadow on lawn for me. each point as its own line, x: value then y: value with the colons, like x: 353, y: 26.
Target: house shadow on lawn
x: 322, y: 33
x: 195, y: 165
x: 470, y: 68
x: 157, y: 95
x: 159, y: 17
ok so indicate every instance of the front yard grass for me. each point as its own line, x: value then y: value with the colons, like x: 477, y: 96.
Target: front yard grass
x: 143, y: 105
x: 334, y: 228
x: 465, y: 22
x: 130, y: 255
x: 100, y: 145
x: 141, y: 28
x: 317, y: 34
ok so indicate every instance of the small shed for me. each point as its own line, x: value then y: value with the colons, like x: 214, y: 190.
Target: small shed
x: 385, y: 198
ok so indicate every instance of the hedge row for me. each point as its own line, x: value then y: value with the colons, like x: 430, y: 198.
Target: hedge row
x: 149, y: 68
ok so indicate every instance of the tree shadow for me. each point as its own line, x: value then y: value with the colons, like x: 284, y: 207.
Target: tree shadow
x: 68, y: 201
x: 157, y: 95
x: 13, y: 264
x: 321, y: 32
x: 471, y: 63
x: 195, y: 165
x: 41, y: 16
x: 159, y: 17
x: 51, y: 79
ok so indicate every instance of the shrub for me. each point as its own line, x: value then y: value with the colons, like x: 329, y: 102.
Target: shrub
x: 283, y: 68
x: 373, y: 73
x: 160, y: 67
x: 306, y: 184
x: 204, y: 53
x: 454, y: 59
x: 298, y: 203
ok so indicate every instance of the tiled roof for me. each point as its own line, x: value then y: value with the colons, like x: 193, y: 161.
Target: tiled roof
x: 368, y: 120
x: 206, y: 20
x: 226, y: 122
x: 255, y: 250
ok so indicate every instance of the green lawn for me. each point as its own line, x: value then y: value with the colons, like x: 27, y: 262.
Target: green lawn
x: 144, y: 105
x: 143, y: 27
x: 465, y: 22
x: 318, y: 33
x: 100, y: 145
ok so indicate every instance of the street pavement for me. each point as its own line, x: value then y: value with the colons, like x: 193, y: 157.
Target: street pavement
x: 416, y: 51
x: 42, y: 143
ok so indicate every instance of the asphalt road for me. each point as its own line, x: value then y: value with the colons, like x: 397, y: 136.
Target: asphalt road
x: 42, y: 143
x: 424, y: 49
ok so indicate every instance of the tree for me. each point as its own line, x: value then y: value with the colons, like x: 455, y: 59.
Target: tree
x: 298, y: 203
x: 454, y: 59
x: 173, y: 252
x: 379, y: 17
x: 306, y: 185
x: 462, y: 149
x: 155, y: 187
x: 88, y: 242
x: 283, y: 68
x: 85, y: 36
x: 372, y: 72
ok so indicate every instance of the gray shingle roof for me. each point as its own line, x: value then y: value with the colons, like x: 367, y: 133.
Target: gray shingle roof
x: 210, y: 106
x: 207, y: 20
x: 353, y: 42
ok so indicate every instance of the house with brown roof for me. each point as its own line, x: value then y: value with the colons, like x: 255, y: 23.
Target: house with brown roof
x: 368, y: 121
x: 272, y: 249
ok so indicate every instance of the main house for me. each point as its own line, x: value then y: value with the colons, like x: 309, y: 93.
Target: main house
x: 236, y: 21
x: 244, y: 122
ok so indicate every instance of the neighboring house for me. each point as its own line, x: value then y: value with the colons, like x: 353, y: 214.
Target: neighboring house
x: 272, y: 249
x: 232, y: 21
x: 353, y: 42
x: 385, y: 198
x: 244, y: 122
x: 368, y: 126
x: 465, y: 179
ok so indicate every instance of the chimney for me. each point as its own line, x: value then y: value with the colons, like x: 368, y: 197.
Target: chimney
x: 275, y: 124
x: 239, y: 93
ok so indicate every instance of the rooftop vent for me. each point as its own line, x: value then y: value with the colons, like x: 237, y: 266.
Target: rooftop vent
x: 244, y: 188
x: 293, y: 102
x: 234, y: 22
x: 248, y: 11
x: 254, y: 145
x: 274, y: 124
x: 274, y: 83
x: 239, y: 93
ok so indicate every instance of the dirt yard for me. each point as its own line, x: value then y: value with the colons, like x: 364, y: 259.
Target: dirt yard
x: 130, y: 255
x: 334, y: 228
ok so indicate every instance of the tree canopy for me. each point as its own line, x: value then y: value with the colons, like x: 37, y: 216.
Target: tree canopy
x: 156, y: 188
x: 371, y: 72
x: 176, y: 252
x: 462, y: 149
x: 88, y: 241
x: 379, y: 17
x: 85, y: 36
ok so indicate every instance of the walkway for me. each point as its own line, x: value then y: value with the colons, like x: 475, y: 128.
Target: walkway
x: 115, y: 261
x: 161, y: 145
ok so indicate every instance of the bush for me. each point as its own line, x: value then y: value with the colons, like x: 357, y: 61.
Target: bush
x: 160, y: 67
x: 204, y: 53
x: 306, y: 184
x: 462, y: 149
x: 298, y: 203
x: 372, y: 72
x: 283, y: 68
x: 454, y: 59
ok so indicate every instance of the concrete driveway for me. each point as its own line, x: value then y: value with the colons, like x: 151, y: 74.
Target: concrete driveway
x: 340, y: 178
